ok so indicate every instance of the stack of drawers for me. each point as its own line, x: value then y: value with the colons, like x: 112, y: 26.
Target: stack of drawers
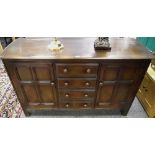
x: 76, y: 85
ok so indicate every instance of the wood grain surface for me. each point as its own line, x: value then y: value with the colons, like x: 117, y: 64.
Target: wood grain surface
x: 75, y: 48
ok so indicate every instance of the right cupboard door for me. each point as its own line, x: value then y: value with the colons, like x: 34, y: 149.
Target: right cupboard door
x: 117, y: 84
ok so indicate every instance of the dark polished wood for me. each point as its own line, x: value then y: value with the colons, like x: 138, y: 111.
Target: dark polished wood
x: 75, y: 48
x: 77, y: 104
x: 72, y: 83
x: 78, y: 77
x: 76, y: 70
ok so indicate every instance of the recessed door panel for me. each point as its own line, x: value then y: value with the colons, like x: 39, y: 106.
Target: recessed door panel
x: 31, y: 94
x: 47, y: 94
x: 130, y: 73
x: 123, y: 93
x: 105, y: 95
x: 120, y: 71
x: 34, y: 72
x: 24, y: 73
x: 109, y: 73
x: 42, y: 72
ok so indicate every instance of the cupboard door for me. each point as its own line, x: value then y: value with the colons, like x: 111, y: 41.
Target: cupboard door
x: 36, y: 83
x: 117, y: 82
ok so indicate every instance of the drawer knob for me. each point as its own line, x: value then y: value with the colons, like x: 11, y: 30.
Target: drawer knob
x: 66, y: 95
x: 85, y: 95
x: 101, y: 83
x: 52, y: 83
x: 67, y: 105
x: 87, y: 84
x: 88, y: 70
x: 65, y: 70
x: 52, y: 103
x: 85, y: 105
x: 66, y: 83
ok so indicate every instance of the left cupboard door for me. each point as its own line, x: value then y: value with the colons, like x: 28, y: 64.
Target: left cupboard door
x: 34, y: 84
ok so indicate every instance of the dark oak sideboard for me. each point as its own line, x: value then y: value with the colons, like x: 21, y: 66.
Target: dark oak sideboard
x: 78, y: 78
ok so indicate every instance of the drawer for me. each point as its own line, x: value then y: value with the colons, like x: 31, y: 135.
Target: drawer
x: 70, y: 83
x: 74, y: 94
x: 77, y: 70
x: 76, y: 104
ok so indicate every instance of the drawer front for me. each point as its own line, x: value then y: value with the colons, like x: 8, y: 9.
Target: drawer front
x: 71, y: 83
x: 77, y: 70
x: 76, y: 104
x: 82, y: 95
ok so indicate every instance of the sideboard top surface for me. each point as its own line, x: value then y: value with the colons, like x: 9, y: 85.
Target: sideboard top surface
x: 75, y: 48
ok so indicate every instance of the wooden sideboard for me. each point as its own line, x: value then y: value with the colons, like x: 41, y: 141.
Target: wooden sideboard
x: 78, y: 78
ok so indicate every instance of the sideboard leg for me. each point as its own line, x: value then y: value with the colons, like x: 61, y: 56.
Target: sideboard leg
x: 28, y: 113
x: 124, y: 112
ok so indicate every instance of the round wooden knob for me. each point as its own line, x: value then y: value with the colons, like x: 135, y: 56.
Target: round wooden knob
x: 66, y: 95
x: 52, y: 83
x: 87, y: 84
x: 65, y: 70
x: 101, y: 83
x: 67, y: 105
x: 85, y: 105
x: 88, y: 70
x: 52, y: 103
x: 66, y: 83
x: 85, y: 95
